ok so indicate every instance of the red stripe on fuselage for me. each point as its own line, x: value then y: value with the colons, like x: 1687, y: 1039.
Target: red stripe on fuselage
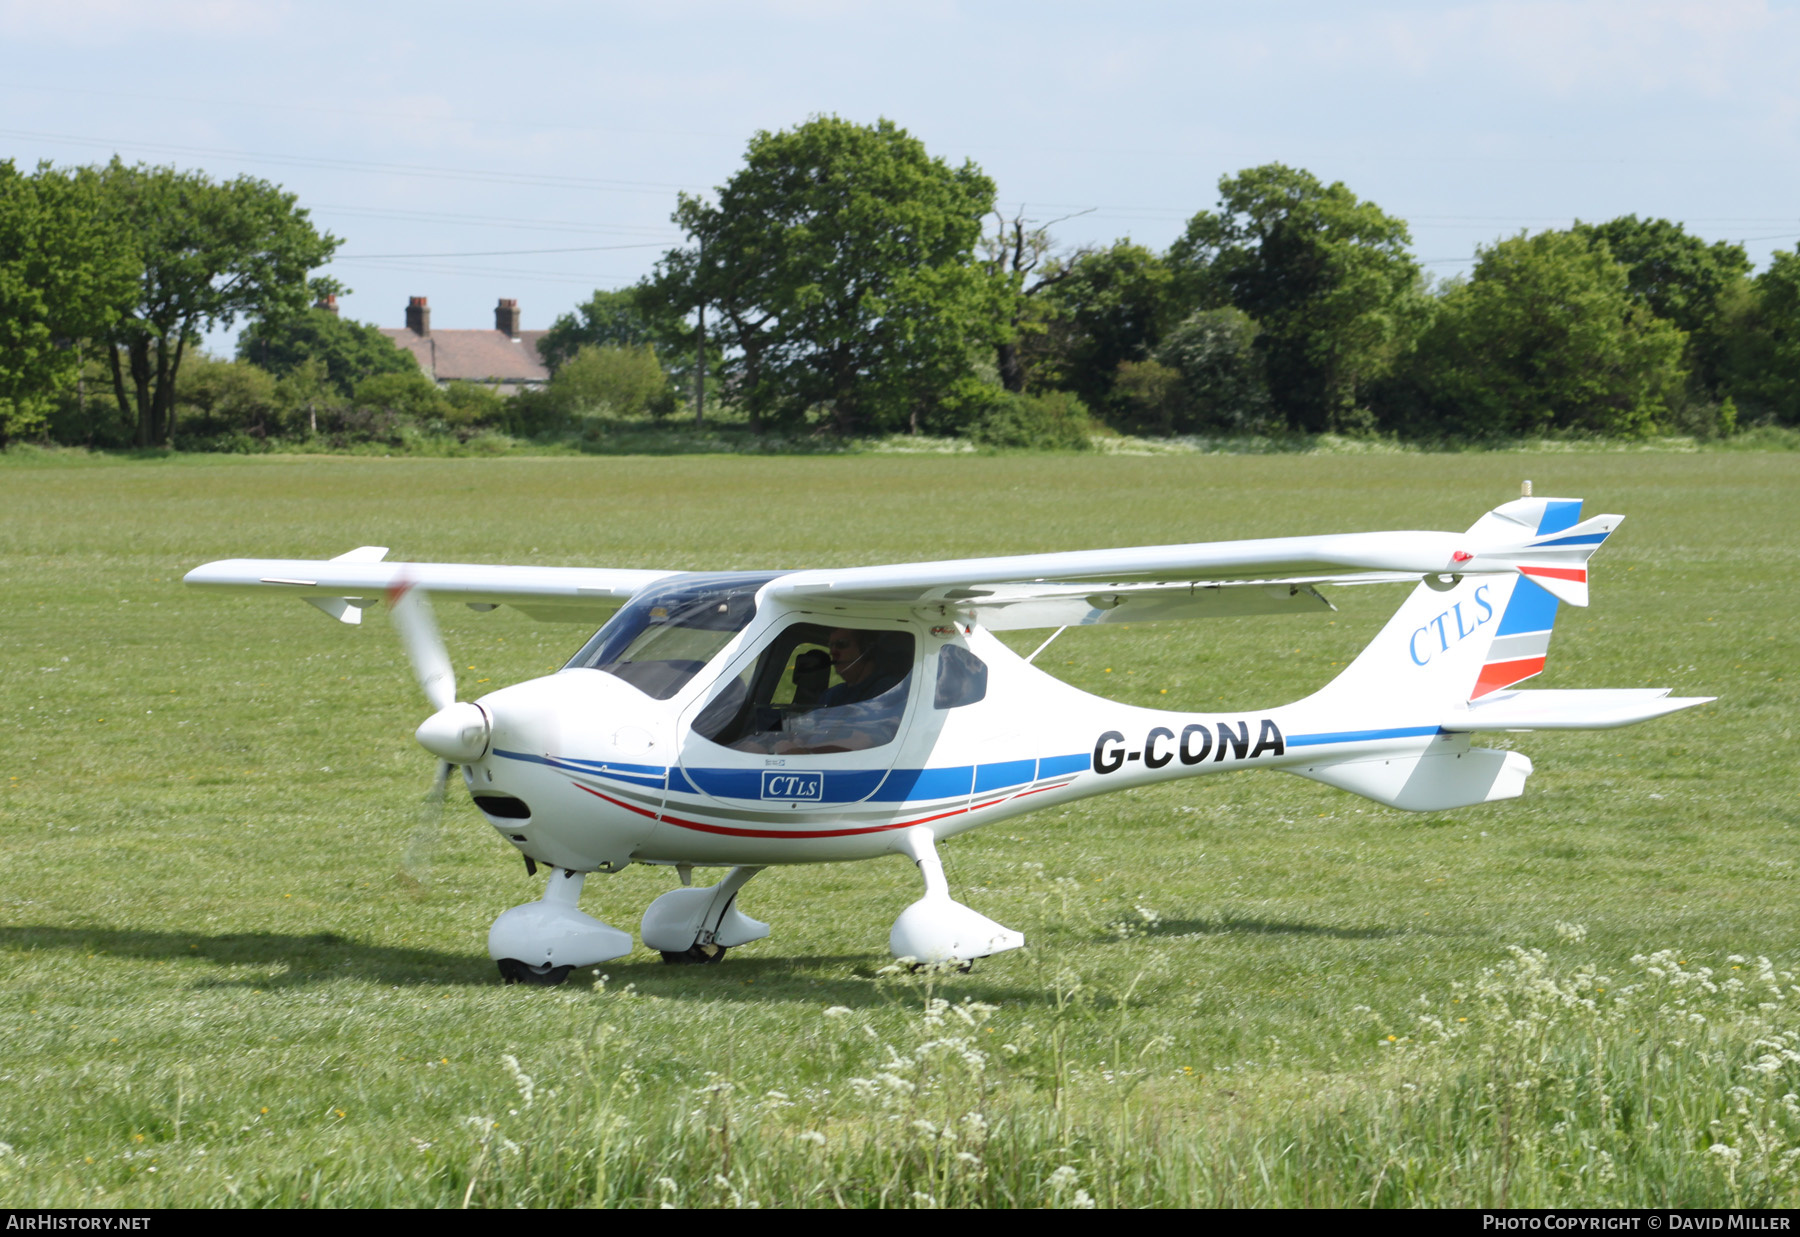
x: 1498, y: 674
x: 802, y: 834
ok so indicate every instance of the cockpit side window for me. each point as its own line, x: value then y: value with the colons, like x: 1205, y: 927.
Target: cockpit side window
x: 961, y: 678
x: 814, y: 689
x: 660, y: 639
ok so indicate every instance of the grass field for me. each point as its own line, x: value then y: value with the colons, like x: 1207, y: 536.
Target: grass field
x: 237, y: 969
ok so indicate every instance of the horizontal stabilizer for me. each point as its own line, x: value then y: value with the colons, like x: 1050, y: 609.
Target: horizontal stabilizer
x: 1557, y: 562
x: 1602, y: 709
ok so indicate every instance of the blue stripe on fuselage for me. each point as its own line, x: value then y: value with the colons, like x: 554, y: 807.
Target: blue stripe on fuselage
x: 1005, y: 773
x: 1361, y: 736
x: 652, y: 776
x: 1055, y: 766
x: 840, y: 785
x: 907, y: 785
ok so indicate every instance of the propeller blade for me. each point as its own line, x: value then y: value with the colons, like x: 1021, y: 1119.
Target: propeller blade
x: 413, y: 619
x: 421, y: 848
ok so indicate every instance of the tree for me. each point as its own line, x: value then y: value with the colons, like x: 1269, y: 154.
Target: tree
x: 1222, y: 383
x: 1678, y: 277
x: 606, y: 320
x: 1110, y: 309
x: 406, y: 394
x: 217, y: 397
x: 1545, y: 335
x: 64, y: 272
x: 1761, y: 343
x: 619, y: 381
x: 1054, y: 419
x: 1019, y: 258
x: 349, y: 350
x: 211, y: 253
x: 840, y: 261
x: 1328, y: 277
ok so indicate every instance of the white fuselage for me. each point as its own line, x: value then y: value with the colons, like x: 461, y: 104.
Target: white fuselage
x: 597, y: 774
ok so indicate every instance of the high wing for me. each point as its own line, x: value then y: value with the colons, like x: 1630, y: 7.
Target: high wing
x: 342, y: 586
x: 1266, y: 576
x: 1536, y: 537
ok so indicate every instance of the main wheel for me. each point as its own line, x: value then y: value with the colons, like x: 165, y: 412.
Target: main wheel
x: 514, y: 971
x: 695, y: 955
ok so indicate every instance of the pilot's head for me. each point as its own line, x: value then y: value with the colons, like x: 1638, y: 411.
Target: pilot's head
x: 851, y: 654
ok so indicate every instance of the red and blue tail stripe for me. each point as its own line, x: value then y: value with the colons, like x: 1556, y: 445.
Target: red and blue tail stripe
x: 1522, y: 641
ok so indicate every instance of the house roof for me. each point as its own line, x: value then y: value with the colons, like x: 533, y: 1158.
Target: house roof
x: 474, y: 356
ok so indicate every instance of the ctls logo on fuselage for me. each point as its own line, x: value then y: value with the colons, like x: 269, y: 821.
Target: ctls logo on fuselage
x: 1450, y: 627
x: 1193, y: 745
x: 777, y: 784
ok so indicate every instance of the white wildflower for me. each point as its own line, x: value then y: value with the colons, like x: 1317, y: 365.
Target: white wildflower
x: 1083, y: 1201
x: 1064, y: 1177
x: 811, y: 1136
x: 837, y: 1011
x: 522, y: 1080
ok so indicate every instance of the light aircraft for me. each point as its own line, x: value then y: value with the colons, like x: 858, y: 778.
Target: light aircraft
x: 741, y: 720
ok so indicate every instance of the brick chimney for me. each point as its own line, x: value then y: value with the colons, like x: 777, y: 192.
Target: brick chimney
x: 418, y: 316
x: 506, y: 317
x: 328, y: 303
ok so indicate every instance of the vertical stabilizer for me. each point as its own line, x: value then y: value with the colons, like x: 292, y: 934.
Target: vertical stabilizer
x: 1456, y: 639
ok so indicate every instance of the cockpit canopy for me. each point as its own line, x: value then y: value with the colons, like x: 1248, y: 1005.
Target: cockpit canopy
x: 663, y: 637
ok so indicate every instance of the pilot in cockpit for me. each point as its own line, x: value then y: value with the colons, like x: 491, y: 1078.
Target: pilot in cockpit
x: 855, y: 656
x: 860, y: 712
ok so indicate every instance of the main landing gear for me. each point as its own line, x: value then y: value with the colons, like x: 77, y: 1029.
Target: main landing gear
x: 695, y: 926
x: 541, y: 942
x: 937, y: 928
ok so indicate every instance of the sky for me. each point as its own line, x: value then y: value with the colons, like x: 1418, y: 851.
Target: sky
x: 467, y: 152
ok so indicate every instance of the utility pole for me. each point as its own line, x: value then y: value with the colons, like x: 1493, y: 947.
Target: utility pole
x: 700, y: 352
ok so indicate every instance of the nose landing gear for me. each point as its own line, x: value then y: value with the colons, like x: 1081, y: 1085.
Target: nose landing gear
x: 515, y: 972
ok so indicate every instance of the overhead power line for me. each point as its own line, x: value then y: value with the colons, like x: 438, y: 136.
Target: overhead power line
x: 511, y: 222
x: 484, y: 253
x: 541, y: 180
x: 362, y: 113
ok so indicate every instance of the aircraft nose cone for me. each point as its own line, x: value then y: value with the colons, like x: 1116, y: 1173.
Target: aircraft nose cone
x: 458, y: 733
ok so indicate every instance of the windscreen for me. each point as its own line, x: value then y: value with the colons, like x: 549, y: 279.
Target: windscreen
x: 664, y: 636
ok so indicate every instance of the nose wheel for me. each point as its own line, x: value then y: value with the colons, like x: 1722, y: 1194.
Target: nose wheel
x: 695, y: 955
x: 514, y: 971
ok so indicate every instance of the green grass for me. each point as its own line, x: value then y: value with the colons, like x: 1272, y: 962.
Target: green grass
x: 238, y: 970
